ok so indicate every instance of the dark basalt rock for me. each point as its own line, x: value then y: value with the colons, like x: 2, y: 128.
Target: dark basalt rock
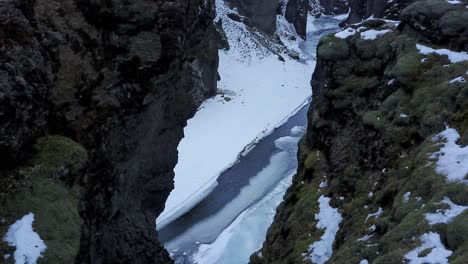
x: 296, y: 13
x: 119, y: 78
x: 377, y: 105
x: 262, y: 13
x: 362, y: 9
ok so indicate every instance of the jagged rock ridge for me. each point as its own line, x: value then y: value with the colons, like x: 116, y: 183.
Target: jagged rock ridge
x: 117, y: 80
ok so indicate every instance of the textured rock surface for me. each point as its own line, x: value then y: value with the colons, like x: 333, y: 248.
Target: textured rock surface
x: 362, y: 9
x: 296, y: 13
x: 119, y: 78
x: 377, y: 104
x: 262, y: 13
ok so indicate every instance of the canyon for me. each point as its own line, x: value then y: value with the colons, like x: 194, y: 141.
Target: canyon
x: 108, y: 122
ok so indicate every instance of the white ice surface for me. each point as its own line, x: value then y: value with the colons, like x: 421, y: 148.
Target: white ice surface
x: 264, y: 92
x: 445, y: 216
x: 438, y: 254
x: 453, y: 56
x: 29, y: 246
x: 280, y: 165
x: 246, y: 234
x: 329, y: 219
x: 452, y: 159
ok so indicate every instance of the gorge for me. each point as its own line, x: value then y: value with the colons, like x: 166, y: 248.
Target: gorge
x: 187, y: 131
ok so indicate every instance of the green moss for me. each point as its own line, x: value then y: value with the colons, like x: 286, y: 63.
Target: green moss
x: 53, y: 202
x: 407, y: 68
x: 332, y: 48
x: 457, y: 231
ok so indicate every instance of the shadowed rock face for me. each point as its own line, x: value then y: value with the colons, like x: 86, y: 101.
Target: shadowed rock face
x: 377, y: 106
x: 296, y: 13
x: 119, y: 78
x: 362, y: 9
x: 262, y: 13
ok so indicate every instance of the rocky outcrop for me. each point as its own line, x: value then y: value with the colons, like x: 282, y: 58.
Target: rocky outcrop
x: 296, y: 14
x: 362, y: 9
x: 262, y: 13
x: 333, y: 7
x: 379, y: 106
x: 117, y: 80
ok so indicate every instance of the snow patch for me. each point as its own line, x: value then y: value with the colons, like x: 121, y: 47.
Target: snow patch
x: 376, y: 214
x: 453, y: 56
x: 406, y: 196
x: 329, y: 219
x: 458, y: 79
x: 453, y: 2
x: 452, y: 159
x: 438, y: 254
x: 364, y: 261
x: 346, y: 33
x: 246, y: 233
x: 373, y: 34
x: 445, y: 216
x: 29, y: 246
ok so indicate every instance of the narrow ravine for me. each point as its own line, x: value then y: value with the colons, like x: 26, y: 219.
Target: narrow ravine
x: 242, y: 205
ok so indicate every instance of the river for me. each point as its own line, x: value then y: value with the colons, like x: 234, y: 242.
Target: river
x: 231, y: 223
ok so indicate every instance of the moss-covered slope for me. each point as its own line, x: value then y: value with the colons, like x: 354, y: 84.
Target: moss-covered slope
x: 377, y: 106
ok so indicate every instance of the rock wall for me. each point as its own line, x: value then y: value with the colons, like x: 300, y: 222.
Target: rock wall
x: 296, y: 14
x: 362, y: 9
x: 262, y: 13
x: 117, y: 80
x: 377, y: 110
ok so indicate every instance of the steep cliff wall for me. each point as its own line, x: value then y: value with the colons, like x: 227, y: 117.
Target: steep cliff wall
x: 386, y: 143
x: 362, y: 9
x: 117, y: 80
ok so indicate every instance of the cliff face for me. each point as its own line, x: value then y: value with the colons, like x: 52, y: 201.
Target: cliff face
x: 262, y: 14
x: 362, y: 9
x: 296, y: 14
x: 117, y: 80
x: 374, y: 145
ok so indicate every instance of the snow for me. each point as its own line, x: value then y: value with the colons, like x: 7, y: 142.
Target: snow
x: 246, y: 233
x: 255, y: 80
x: 452, y: 159
x: 218, y: 231
x: 346, y: 33
x: 453, y: 2
x: 438, y: 254
x: 365, y: 238
x: 403, y: 115
x: 376, y: 214
x: 406, y: 196
x: 298, y: 130
x: 453, y: 56
x: 458, y: 79
x: 323, y: 184
x: 329, y: 219
x: 373, y: 34
x: 29, y: 246
x: 364, y: 261
x: 445, y: 216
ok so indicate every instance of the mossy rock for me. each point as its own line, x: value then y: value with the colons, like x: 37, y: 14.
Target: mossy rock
x: 332, y: 48
x: 457, y: 231
x: 53, y: 201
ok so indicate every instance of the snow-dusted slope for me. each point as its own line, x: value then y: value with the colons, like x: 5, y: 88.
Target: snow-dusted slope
x: 257, y: 93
